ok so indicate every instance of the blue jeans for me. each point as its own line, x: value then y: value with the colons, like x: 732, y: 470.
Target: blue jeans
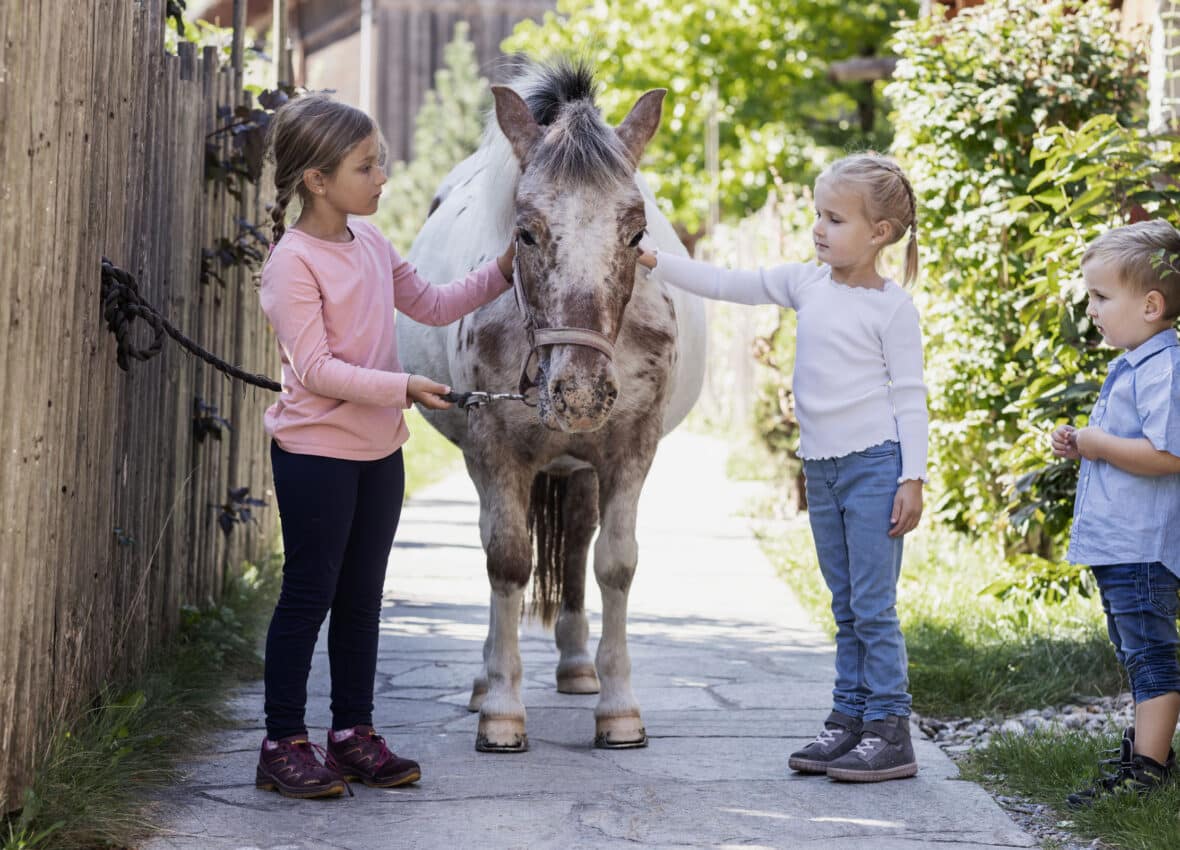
x: 849, y: 502
x: 1140, y: 602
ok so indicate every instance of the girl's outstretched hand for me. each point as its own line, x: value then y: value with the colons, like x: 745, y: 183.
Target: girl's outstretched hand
x: 907, y: 508
x: 504, y: 261
x: 646, y: 249
x: 426, y: 392
x: 1065, y: 442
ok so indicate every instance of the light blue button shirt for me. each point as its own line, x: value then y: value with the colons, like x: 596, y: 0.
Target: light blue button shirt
x: 1119, y: 517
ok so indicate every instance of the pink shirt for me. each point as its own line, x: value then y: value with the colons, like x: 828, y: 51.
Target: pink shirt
x: 332, y: 306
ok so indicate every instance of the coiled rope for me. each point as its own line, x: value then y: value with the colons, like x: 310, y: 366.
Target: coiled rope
x: 122, y: 305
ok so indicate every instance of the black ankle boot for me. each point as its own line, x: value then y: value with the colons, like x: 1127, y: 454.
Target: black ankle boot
x: 1135, y: 774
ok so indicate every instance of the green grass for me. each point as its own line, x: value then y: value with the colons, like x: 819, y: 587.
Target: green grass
x: 1045, y: 767
x: 99, y: 769
x: 430, y: 456
x: 970, y: 654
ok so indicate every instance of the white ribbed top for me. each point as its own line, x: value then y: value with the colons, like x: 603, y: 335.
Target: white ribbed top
x: 858, y: 354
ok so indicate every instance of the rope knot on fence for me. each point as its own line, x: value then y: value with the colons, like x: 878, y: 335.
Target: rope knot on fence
x: 122, y: 305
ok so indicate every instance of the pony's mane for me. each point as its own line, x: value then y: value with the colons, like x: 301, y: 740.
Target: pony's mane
x: 577, y: 145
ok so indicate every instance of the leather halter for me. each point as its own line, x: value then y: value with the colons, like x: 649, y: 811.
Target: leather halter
x: 538, y: 337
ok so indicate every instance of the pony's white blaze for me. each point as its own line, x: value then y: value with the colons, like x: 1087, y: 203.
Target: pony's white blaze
x: 577, y: 463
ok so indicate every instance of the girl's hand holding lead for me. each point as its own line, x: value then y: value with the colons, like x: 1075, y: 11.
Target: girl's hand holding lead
x: 907, y: 508
x: 1065, y: 442
x: 427, y: 393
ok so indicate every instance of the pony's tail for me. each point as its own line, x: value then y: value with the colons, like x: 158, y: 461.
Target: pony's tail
x: 547, y: 537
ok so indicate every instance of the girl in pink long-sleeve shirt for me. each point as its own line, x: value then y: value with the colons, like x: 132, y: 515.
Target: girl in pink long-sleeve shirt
x: 331, y: 289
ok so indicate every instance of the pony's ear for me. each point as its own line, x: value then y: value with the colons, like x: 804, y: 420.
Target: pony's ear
x: 641, y: 123
x: 518, y: 124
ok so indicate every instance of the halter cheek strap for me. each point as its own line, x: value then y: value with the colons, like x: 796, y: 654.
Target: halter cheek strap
x: 538, y: 337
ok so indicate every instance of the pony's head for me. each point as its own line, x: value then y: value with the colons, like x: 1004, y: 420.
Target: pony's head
x: 579, y: 217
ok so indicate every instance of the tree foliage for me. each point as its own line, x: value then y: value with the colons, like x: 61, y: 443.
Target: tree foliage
x: 775, y: 107
x: 973, y: 96
x: 447, y: 129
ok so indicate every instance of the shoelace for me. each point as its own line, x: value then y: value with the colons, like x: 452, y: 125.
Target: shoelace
x: 384, y: 754
x: 826, y: 737
x: 866, y: 746
x: 306, y: 751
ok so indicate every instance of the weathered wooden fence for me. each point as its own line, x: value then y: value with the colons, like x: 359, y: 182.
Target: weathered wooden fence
x: 107, y: 501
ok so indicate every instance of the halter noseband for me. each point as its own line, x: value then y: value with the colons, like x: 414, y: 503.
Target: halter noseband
x: 538, y: 337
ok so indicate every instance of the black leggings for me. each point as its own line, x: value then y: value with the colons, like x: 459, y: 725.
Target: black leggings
x: 339, y: 518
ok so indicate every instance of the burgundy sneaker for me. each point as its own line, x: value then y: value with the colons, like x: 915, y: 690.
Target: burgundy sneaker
x: 363, y: 755
x: 289, y: 766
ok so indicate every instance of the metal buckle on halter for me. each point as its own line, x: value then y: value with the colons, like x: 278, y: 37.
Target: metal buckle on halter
x: 475, y: 399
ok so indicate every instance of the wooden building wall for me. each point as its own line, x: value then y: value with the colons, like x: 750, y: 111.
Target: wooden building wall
x: 107, y: 517
x: 411, y: 36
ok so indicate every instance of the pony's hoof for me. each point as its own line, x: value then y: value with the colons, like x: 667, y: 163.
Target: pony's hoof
x: 501, y: 735
x: 580, y: 679
x: 619, y: 733
x: 478, y: 691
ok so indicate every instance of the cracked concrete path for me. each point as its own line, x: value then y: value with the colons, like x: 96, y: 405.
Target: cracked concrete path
x: 729, y: 671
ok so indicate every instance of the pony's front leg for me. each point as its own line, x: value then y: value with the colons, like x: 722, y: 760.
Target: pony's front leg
x: 504, y: 531
x: 617, y: 722
x: 479, y: 688
x: 575, y: 668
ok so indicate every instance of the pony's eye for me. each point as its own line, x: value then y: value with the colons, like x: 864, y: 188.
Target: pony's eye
x: 636, y: 239
x: 526, y: 237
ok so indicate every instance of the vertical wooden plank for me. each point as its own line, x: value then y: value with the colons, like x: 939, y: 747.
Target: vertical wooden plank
x: 15, y: 44
x: 22, y: 168
x: 200, y: 484
x: 77, y: 284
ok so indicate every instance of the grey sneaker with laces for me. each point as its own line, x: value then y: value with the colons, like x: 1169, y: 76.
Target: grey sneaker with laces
x: 883, y: 752
x: 839, y: 735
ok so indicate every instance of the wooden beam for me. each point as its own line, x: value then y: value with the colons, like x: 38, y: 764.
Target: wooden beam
x: 236, y: 50
x: 865, y: 69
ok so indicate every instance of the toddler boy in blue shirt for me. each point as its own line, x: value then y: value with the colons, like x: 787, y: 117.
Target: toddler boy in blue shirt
x: 1126, y: 522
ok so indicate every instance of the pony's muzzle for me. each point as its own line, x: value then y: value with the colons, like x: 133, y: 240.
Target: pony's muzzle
x: 582, y: 399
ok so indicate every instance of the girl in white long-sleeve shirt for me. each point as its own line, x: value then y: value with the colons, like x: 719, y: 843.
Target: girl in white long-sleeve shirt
x: 861, y: 404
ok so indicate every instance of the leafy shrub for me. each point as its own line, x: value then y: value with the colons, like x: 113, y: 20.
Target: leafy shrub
x: 1099, y: 176
x: 973, y: 95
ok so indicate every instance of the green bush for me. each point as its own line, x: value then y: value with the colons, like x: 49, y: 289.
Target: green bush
x: 972, y: 96
x: 1098, y: 176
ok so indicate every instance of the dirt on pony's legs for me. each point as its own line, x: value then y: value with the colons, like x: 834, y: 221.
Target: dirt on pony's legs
x: 575, y: 668
x: 617, y: 721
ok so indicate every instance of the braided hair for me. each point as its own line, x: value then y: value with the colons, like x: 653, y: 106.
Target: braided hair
x: 888, y: 196
x: 312, y: 131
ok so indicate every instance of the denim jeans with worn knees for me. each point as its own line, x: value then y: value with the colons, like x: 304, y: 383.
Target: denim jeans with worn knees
x: 849, y: 503
x: 1141, y: 604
